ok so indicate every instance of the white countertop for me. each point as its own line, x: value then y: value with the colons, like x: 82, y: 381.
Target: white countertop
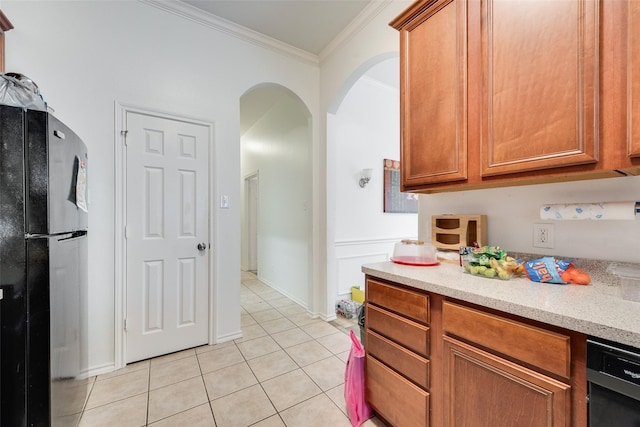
x: 595, y: 309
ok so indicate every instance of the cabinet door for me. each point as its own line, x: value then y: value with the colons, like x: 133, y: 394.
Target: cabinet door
x: 484, y: 390
x: 634, y: 78
x: 539, y: 84
x: 433, y: 95
x: 397, y: 400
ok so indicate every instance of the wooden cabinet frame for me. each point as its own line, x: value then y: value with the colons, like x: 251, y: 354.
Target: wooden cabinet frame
x: 433, y: 107
x: 633, y: 78
x: 568, y: 109
x: 531, y: 359
x: 496, y: 392
x: 5, y: 25
x: 540, y: 74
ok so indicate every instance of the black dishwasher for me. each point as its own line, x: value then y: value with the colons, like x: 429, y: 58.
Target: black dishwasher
x: 613, y: 375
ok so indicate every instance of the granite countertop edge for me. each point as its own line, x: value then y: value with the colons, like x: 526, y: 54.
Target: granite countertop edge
x: 597, y: 309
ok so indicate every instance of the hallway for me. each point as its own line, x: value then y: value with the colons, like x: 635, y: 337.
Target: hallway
x: 287, y: 370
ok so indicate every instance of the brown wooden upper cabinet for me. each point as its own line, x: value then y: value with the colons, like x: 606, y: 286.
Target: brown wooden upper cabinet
x: 433, y: 81
x: 634, y: 77
x: 513, y: 92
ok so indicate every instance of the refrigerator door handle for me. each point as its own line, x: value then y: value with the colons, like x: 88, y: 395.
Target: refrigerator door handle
x: 61, y: 236
x: 74, y: 235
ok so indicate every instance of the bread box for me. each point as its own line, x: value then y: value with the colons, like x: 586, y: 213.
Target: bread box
x: 449, y: 232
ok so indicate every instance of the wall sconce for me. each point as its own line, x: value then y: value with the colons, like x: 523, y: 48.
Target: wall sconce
x: 365, y: 176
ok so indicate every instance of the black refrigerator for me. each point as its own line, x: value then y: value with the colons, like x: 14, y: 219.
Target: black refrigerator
x: 43, y: 270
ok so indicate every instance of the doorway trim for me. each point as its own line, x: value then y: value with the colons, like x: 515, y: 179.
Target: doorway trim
x: 249, y: 225
x: 120, y: 202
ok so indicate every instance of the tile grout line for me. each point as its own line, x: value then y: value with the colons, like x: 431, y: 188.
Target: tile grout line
x: 206, y: 390
x: 284, y: 314
x: 299, y: 367
x: 148, y: 396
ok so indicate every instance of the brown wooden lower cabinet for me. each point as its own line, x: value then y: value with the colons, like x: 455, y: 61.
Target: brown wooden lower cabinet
x: 450, y: 363
x: 411, y: 365
x: 484, y: 390
x: 396, y: 399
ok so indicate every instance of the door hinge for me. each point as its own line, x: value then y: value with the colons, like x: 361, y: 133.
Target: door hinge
x: 124, y: 135
x: 125, y: 325
x: 126, y: 232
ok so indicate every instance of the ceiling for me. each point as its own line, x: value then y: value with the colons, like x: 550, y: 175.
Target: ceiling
x: 309, y: 25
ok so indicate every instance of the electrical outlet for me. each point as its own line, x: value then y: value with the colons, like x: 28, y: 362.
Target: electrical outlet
x: 543, y: 236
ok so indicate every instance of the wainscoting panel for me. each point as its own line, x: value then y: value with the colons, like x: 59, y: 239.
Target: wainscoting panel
x: 350, y: 271
x: 350, y: 255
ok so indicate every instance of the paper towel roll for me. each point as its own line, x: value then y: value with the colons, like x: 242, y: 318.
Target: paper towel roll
x: 597, y: 211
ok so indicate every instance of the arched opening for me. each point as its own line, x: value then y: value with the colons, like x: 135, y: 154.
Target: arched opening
x: 363, y: 129
x: 276, y: 139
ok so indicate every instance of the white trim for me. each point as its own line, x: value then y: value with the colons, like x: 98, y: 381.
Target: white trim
x: 367, y: 255
x: 120, y: 246
x: 284, y: 292
x: 372, y: 241
x: 347, y: 261
x: 225, y: 26
x: 213, y: 223
x: 355, y: 76
x: 355, y: 26
x: 246, y: 258
x: 120, y: 112
x: 99, y: 370
x: 214, y: 22
x: 228, y: 337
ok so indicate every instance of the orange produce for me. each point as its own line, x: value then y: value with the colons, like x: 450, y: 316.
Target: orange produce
x: 575, y: 275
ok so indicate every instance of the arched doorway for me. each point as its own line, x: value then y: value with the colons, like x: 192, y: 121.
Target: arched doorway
x: 363, y: 129
x: 276, y: 139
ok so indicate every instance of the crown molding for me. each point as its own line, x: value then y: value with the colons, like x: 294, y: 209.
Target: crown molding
x: 372, y: 10
x: 232, y: 29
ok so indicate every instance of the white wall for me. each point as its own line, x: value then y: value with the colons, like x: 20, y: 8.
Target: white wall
x: 513, y: 211
x: 364, y: 131
x: 367, y: 130
x: 373, y: 43
x: 278, y: 148
x: 86, y: 55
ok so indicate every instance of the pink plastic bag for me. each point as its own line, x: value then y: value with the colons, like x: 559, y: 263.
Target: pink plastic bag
x: 357, y: 408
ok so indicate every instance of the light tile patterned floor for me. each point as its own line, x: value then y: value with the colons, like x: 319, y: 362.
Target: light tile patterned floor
x: 287, y: 370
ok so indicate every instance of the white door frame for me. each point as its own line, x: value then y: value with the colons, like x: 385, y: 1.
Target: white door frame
x: 120, y: 184
x: 250, y: 226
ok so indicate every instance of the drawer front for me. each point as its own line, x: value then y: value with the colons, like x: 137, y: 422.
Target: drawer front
x: 410, y: 304
x: 396, y: 399
x: 409, y: 364
x: 544, y: 349
x: 405, y: 332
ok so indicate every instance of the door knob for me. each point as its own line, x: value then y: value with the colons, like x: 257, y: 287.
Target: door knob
x: 202, y: 246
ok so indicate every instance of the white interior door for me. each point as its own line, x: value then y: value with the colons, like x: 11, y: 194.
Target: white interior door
x: 167, y: 229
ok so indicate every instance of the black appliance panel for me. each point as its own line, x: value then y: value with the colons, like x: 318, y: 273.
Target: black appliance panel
x: 53, y: 157
x: 610, y: 409
x: 43, y: 319
x: 68, y: 301
x: 12, y: 268
x: 613, y: 375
